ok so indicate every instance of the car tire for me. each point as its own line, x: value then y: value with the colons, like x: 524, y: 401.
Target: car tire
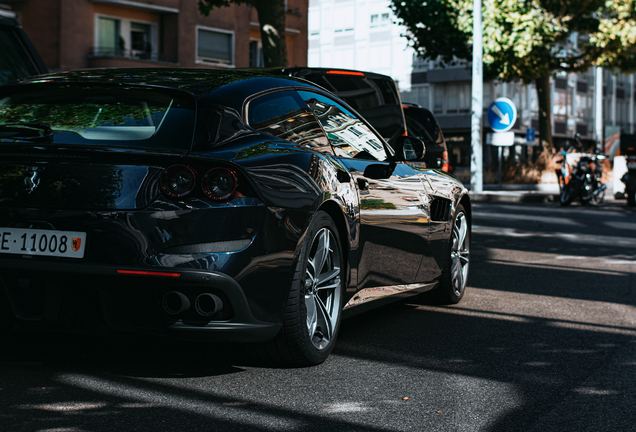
x: 452, y: 284
x: 312, y: 314
x: 567, y: 195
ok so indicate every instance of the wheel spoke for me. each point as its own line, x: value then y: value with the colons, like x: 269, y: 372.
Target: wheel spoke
x: 457, y: 275
x: 462, y: 231
x: 325, y: 288
x: 327, y: 276
x: 464, y: 257
x: 312, y: 318
x: 324, y: 319
x: 322, y: 251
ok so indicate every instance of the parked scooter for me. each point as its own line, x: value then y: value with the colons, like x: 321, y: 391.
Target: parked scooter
x: 580, y: 177
x: 629, y: 178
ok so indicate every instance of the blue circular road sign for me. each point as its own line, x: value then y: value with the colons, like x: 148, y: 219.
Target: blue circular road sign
x: 502, y: 115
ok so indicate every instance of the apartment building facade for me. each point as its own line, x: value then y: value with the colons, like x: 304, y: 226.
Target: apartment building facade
x: 80, y: 34
x: 447, y: 92
x: 358, y: 34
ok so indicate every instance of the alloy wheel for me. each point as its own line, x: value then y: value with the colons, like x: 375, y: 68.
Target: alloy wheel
x: 323, y: 288
x: 460, y: 254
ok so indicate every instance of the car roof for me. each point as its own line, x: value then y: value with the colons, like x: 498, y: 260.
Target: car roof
x: 301, y: 71
x: 197, y: 82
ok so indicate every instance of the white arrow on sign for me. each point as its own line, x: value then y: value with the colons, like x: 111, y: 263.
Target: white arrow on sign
x: 504, y: 118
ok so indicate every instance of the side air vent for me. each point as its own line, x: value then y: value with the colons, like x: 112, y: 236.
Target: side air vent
x: 440, y: 209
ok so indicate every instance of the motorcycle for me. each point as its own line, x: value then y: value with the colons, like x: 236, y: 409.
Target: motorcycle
x: 629, y: 178
x: 580, y: 177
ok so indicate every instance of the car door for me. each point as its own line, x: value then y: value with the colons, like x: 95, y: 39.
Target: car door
x: 393, y: 207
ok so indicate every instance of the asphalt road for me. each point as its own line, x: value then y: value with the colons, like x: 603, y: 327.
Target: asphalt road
x: 545, y: 340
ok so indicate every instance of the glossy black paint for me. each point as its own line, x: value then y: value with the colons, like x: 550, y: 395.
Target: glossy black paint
x: 113, y: 193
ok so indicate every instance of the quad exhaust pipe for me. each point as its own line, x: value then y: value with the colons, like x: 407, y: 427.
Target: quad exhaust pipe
x: 206, y: 304
x: 175, y: 303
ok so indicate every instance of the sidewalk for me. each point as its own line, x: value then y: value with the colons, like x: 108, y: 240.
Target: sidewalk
x: 546, y: 192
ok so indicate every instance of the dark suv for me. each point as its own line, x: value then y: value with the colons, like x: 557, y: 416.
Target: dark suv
x: 18, y: 57
x: 376, y: 98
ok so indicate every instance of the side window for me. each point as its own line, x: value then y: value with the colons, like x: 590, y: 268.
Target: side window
x: 348, y: 135
x: 421, y: 123
x: 283, y: 114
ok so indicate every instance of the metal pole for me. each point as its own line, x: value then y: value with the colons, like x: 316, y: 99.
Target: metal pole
x: 499, y: 154
x: 476, y: 159
x: 598, y: 108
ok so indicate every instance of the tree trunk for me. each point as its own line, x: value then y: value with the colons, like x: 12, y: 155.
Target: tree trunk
x: 545, y: 114
x: 271, y: 17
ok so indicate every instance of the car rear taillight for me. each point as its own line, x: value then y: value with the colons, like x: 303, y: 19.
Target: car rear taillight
x: 178, y: 181
x: 219, y: 183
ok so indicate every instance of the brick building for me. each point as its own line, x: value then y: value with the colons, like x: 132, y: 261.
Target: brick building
x: 79, y: 34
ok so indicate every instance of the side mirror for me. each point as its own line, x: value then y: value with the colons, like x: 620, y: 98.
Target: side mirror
x: 409, y: 149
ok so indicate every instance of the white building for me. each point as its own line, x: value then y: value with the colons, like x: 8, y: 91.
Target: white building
x: 358, y: 34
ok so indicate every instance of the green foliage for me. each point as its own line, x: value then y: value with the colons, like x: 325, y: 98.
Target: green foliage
x: 271, y: 17
x: 206, y: 6
x: 526, y: 39
x: 76, y: 117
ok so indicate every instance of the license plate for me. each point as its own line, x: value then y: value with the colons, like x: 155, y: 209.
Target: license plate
x: 631, y: 165
x: 23, y: 241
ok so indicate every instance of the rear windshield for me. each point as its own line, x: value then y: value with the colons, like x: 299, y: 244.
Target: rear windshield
x: 106, y: 116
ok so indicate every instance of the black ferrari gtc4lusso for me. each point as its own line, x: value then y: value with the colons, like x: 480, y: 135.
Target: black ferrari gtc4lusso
x: 213, y: 205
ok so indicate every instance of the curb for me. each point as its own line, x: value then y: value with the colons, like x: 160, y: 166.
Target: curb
x: 529, y: 197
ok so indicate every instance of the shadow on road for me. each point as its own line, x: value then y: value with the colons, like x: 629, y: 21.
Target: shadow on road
x: 539, y: 343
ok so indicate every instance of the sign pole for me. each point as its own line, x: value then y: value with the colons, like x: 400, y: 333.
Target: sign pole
x: 476, y: 159
x: 598, y: 109
x: 499, y: 154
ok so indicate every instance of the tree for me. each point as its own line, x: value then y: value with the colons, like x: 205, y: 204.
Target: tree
x: 271, y: 16
x: 528, y: 40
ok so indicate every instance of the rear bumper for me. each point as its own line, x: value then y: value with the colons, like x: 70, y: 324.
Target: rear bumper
x: 91, y: 298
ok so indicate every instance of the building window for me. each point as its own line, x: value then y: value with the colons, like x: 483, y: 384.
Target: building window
x: 122, y: 37
x: 438, y: 99
x: 215, y: 46
x: 109, y: 41
x: 256, y: 55
x: 140, y: 36
x: 380, y: 20
x: 342, y: 20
